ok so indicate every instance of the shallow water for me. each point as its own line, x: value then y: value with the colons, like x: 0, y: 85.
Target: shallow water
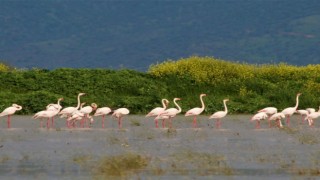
x: 235, y: 151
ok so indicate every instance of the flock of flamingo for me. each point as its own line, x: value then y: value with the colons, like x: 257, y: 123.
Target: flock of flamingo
x: 81, y: 115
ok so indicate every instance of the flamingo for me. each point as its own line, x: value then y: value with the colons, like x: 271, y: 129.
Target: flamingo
x: 269, y: 111
x: 220, y: 114
x: 119, y: 113
x: 46, y: 114
x: 53, y: 107
x: 9, y: 111
x: 290, y: 110
x: 314, y: 115
x: 86, y: 111
x: 258, y: 117
x: 277, y: 117
x: 76, y: 115
x: 163, y: 118
x: 196, y: 111
x: 311, y: 110
x: 171, y: 112
x: 102, y: 112
x: 69, y: 110
x: 158, y: 110
x: 302, y: 112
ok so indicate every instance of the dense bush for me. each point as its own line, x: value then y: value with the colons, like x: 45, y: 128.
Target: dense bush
x: 249, y: 87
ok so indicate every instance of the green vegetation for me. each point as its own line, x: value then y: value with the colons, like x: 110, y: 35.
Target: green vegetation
x: 121, y: 165
x: 249, y: 87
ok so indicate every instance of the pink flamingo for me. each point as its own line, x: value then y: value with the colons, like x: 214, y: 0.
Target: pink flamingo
x: 290, y: 110
x: 163, y: 118
x: 76, y: 115
x: 171, y: 112
x: 86, y: 111
x: 258, y: 117
x: 269, y: 111
x: 158, y: 110
x: 67, y: 112
x: 220, y: 114
x: 9, y: 111
x: 196, y: 111
x: 303, y: 113
x: 102, y: 112
x: 53, y: 107
x: 314, y: 115
x: 46, y: 114
x: 277, y: 117
x: 119, y: 113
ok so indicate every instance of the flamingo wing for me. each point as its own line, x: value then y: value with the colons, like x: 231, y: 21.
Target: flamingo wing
x: 218, y: 114
x: 194, y: 111
x: 155, y: 112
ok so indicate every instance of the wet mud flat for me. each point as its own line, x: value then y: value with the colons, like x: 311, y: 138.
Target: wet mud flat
x: 140, y: 151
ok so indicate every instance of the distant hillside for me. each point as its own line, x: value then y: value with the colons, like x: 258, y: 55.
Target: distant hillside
x: 135, y: 34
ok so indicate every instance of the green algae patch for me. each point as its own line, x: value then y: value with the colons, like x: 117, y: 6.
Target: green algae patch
x: 120, y: 165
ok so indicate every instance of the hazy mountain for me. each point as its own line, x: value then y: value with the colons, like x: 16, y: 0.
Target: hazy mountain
x: 134, y: 34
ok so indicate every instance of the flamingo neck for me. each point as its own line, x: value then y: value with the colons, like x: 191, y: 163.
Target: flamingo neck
x: 202, y: 103
x: 164, y: 104
x: 297, y: 102
x: 179, y: 108
x: 78, y: 102
x: 225, y: 106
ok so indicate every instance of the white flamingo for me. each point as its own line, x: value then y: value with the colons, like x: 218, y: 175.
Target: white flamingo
x: 290, y: 110
x: 103, y: 111
x: 171, y: 112
x: 269, y: 111
x: 158, y: 110
x: 76, y: 116
x: 196, y: 111
x: 9, y: 111
x: 277, y: 117
x: 54, y: 107
x: 119, y: 113
x: 311, y: 110
x: 49, y: 114
x: 67, y: 112
x: 303, y: 113
x: 86, y: 111
x: 258, y: 117
x: 220, y: 114
x: 312, y: 116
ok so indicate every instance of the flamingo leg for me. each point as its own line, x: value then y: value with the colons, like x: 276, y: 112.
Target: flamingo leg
x: 170, y: 122
x: 48, y: 126
x: 120, y: 122
x: 8, y: 121
x: 103, y: 117
x: 40, y: 123
x: 288, y: 120
x: 163, y: 123
x: 258, y: 125
x: 156, y: 123
x: 195, y: 122
x: 269, y: 121
x: 52, y: 122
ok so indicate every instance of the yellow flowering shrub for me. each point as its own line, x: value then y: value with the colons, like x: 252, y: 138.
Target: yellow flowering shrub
x: 211, y: 70
x: 4, y: 68
x: 203, y: 69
